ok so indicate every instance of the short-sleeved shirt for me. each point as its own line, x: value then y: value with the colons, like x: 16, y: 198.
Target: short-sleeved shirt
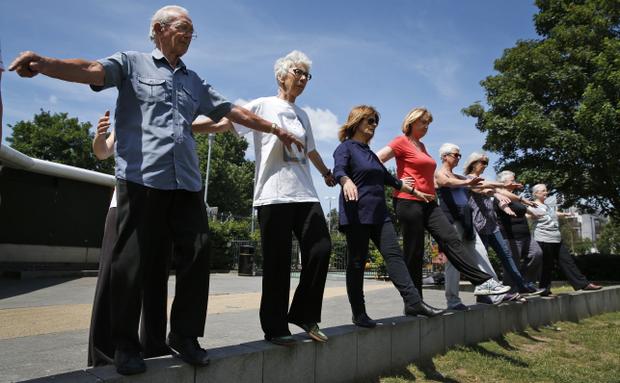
x: 356, y: 161
x: 415, y: 163
x: 154, y: 112
x: 547, y: 227
x: 282, y: 175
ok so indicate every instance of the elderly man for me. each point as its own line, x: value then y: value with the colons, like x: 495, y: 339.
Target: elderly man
x: 158, y: 180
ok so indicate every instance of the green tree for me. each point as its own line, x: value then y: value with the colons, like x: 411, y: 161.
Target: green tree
x: 58, y: 138
x: 553, y: 110
x: 231, y: 176
x: 609, y: 240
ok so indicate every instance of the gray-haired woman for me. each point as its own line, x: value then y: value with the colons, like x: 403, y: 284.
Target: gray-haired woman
x: 287, y: 203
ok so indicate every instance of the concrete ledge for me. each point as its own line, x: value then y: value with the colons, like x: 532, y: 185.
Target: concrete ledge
x: 354, y: 354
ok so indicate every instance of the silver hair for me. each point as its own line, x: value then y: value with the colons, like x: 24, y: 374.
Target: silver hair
x: 538, y: 187
x: 165, y: 15
x: 448, y: 148
x: 474, y: 157
x: 501, y: 176
x: 283, y: 64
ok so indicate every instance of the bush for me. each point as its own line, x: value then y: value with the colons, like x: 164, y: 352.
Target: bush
x: 220, y: 235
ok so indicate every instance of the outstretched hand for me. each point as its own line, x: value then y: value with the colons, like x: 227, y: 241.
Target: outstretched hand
x: 27, y: 64
x: 288, y: 139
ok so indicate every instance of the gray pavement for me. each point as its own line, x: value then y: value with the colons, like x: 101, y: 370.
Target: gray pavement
x: 44, y: 321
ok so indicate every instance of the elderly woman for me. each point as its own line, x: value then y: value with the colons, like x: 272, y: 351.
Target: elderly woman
x: 419, y: 212
x: 453, y: 192
x: 547, y: 234
x: 364, y: 215
x: 287, y: 204
x: 516, y: 231
x: 487, y: 226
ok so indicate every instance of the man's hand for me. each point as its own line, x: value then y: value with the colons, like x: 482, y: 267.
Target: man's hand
x: 27, y: 64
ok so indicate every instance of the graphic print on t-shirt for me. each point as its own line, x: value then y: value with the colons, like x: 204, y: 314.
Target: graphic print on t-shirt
x: 294, y: 154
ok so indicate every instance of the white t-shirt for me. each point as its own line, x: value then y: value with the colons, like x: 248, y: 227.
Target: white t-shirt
x: 282, y: 176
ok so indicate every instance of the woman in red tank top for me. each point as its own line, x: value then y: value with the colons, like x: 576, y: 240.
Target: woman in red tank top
x: 420, y: 211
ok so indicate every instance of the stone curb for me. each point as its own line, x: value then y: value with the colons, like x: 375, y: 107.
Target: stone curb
x: 354, y: 354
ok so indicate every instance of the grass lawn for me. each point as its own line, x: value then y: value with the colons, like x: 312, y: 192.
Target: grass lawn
x: 588, y: 351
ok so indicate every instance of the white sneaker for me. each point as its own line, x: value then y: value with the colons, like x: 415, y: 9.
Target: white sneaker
x: 491, y: 287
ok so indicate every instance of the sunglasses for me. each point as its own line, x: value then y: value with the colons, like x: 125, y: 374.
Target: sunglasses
x: 455, y: 155
x: 372, y: 121
x: 484, y: 162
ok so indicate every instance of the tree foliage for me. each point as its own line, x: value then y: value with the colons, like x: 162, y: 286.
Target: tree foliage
x: 609, y: 239
x: 58, y: 138
x: 231, y: 176
x: 554, y: 107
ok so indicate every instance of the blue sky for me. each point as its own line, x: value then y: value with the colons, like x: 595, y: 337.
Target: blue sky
x: 394, y: 55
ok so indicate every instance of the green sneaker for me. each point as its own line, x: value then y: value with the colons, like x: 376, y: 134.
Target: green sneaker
x: 314, y: 332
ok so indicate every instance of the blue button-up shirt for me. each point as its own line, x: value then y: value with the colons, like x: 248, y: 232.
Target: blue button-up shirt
x: 356, y: 161
x: 154, y: 112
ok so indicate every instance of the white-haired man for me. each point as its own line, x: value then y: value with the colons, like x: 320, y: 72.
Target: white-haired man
x: 158, y: 180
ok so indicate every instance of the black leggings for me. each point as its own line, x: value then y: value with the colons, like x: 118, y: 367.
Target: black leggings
x: 414, y: 217
x: 384, y: 237
x: 277, y: 223
x: 553, y: 252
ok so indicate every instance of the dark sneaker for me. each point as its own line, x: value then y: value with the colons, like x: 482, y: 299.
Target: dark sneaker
x: 284, y: 340
x: 422, y: 308
x: 128, y: 362
x: 363, y: 320
x: 188, y: 350
x: 459, y: 307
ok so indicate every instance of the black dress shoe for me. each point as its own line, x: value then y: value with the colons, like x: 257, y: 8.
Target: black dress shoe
x: 188, y: 349
x: 129, y: 362
x: 363, y: 320
x: 422, y: 308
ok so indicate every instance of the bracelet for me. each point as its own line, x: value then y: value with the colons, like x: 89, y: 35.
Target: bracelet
x: 273, y: 128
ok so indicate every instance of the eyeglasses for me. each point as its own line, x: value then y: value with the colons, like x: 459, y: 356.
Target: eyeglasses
x: 298, y: 73
x: 185, y: 29
x: 373, y: 121
x: 455, y: 155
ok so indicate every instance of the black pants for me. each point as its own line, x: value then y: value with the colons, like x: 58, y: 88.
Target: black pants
x: 384, y: 237
x: 559, y: 252
x: 152, y: 327
x: 150, y: 220
x: 277, y: 224
x: 414, y: 217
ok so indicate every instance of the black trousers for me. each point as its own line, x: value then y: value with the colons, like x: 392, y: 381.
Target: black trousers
x: 277, y: 224
x: 152, y: 327
x: 553, y: 252
x: 384, y: 237
x: 148, y: 221
x: 414, y: 217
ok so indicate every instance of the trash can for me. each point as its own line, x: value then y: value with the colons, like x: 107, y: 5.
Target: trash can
x: 246, y: 260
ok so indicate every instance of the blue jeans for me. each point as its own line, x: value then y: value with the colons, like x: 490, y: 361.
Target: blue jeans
x: 497, y: 242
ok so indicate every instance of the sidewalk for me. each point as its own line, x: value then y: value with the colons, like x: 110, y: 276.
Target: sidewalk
x: 44, y: 321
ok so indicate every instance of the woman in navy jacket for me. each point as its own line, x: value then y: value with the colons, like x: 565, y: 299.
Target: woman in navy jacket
x: 363, y: 214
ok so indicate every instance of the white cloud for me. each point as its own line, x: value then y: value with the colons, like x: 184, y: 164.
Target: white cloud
x: 324, y: 123
x: 53, y: 99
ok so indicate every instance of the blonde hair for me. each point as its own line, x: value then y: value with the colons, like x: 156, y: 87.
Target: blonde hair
x: 356, y: 116
x: 413, y: 115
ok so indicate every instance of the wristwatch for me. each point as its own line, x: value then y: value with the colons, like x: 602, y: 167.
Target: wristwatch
x: 274, y: 127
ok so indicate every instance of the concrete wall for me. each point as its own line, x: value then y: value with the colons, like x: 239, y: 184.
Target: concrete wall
x: 354, y: 354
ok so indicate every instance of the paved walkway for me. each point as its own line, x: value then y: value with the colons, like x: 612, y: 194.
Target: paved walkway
x: 44, y: 321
